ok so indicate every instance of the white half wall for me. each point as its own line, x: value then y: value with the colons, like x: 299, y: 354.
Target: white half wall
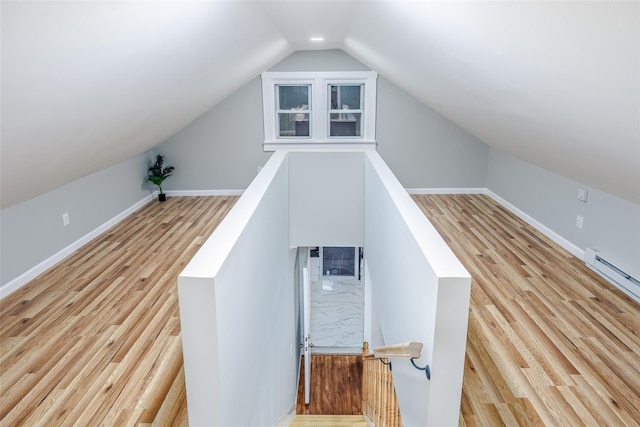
x: 237, y: 312
x: 238, y: 304
x: 420, y: 292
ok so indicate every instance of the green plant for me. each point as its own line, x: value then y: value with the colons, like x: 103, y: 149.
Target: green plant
x: 157, y: 174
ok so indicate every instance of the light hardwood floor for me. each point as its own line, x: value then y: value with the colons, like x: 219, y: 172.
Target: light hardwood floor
x: 336, y: 385
x: 549, y: 342
x: 96, y: 340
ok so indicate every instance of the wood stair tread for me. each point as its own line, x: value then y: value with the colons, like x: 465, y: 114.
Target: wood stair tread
x: 329, y: 420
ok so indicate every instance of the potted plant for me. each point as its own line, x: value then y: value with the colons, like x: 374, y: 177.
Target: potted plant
x: 157, y: 174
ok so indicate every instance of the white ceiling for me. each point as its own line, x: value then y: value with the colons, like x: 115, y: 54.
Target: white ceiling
x: 86, y: 85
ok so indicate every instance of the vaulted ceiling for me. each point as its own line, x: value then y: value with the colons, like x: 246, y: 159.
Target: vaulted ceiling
x: 86, y: 85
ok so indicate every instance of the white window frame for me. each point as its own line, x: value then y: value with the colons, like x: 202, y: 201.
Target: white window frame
x: 319, y: 118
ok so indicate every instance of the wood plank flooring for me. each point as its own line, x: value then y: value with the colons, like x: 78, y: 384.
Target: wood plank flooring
x: 329, y: 421
x: 96, y: 339
x: 336, y: 385
x: 550, y: 342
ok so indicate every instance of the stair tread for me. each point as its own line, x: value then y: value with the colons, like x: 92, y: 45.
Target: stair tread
x: 329, y: 420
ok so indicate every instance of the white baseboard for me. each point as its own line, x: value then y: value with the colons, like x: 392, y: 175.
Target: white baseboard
x: 34, y: 272
x: 446, y: 190
x: 567, y: 245
x: 178, y: 193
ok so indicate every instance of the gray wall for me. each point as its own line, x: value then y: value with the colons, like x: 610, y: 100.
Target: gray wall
x: 424, y: 149
x: 611, y: 225
x: 222, y: 149
x: 32, y: 231
x: 319, y: 60
x: 326, y: 199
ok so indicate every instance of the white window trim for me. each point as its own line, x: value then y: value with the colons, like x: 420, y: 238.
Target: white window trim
x: 318, y: 120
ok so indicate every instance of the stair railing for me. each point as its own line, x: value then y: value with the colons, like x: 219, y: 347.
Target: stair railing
x: 379, y: 401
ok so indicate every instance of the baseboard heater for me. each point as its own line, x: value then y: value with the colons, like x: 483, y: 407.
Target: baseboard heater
x: 615, y: 274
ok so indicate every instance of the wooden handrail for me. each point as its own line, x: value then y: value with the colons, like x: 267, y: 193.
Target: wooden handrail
x: 409, y: 350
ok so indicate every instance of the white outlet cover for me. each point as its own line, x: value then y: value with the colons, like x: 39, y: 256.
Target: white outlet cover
x: 582, y: 194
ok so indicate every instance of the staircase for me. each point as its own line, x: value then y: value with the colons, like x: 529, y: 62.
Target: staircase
x: 328, y: 421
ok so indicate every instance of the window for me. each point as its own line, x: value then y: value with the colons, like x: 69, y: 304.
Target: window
x: 339, y: 261
x: 345, y: 110
x: 293, y: 110
x: 315, y: 109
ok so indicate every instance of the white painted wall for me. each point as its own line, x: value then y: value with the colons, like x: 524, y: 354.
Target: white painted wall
x: 420, y: 292
x: 326, y: 198
x: 237, y: 311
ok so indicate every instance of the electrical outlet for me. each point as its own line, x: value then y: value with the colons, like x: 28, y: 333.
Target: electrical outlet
x: 65, y: 219
x: 579, y: 222
x: 583, y: 194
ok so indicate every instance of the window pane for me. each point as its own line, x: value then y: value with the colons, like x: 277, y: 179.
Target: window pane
x: 293, y: 97
x: 293, y: 110
x: 345, y: 112
x: 345, y: 97
x: 338, y: 261
x: 346, y: 124
x: 293, y: 124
